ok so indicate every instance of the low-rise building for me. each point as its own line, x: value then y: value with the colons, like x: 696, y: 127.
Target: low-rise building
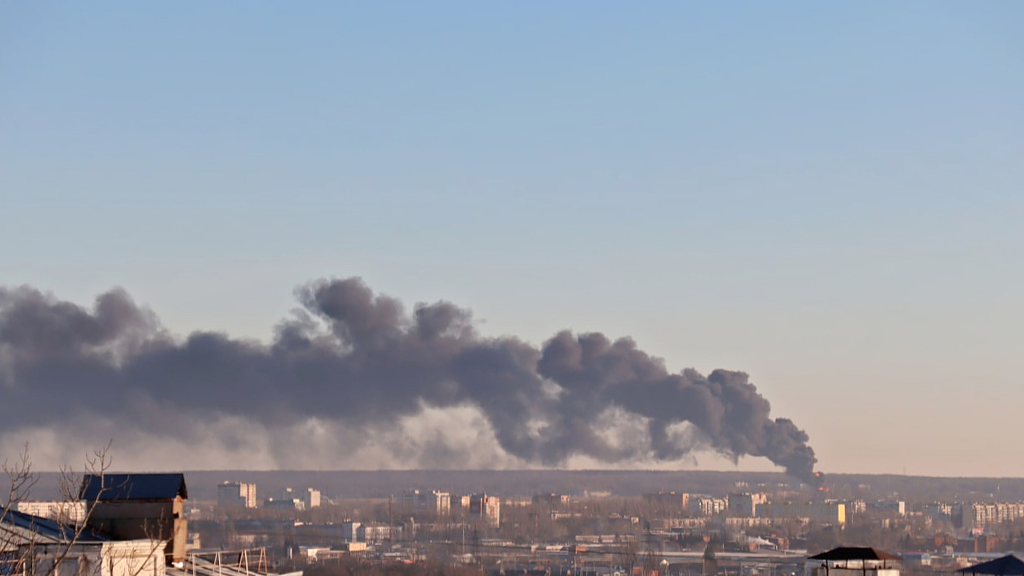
x: 288, y: 499
x: 284, y: 504
x: 553, y: 500
x: 378, y: 533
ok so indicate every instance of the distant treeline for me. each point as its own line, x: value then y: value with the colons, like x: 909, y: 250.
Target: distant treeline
x: 202, y: 485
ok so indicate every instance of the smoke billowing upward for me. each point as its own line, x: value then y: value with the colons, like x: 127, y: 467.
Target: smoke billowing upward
x: 351, y: 370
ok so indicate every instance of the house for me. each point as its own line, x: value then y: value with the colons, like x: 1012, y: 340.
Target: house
x: 34, y: 545
x: 138, y: 506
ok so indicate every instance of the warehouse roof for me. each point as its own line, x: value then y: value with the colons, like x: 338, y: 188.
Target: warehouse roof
x: 109, y: 487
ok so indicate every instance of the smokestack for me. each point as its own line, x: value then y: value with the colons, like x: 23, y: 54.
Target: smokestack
x: 357, y: 361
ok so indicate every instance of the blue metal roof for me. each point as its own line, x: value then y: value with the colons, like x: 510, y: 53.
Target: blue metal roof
x: 111, y: 487
x: 48, y: 528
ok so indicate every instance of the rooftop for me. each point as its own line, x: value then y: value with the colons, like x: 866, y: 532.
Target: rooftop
x: 110, y: 487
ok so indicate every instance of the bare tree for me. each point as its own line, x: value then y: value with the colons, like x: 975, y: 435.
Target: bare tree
x: 34, y: 546
x: 652, y: 554
x: 628, y: 555
x: 710, y: 566
x: 20, y: 481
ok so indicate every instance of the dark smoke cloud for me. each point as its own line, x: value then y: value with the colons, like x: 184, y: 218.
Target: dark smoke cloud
x: 354, y: 362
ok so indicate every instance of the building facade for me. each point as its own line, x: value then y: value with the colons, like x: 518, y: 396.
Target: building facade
x: 236, y: 495
x: 486, y: 508
x: 826, y: 512
x: 745, y: 505
x: 311, y: 498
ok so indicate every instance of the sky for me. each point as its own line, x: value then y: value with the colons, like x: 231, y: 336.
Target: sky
x: 826, y: 196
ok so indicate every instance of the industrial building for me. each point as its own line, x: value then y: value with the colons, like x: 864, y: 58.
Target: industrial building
x: 553, y: 500
x: 289, y: 499
x: 745, y: 505
x: 433, y: 502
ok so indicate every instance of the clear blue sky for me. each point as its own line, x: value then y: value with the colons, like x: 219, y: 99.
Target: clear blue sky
x: 828, y: 196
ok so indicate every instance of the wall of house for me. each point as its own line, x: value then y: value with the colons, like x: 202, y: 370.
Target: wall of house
x: 64, y: 559
x: 163, y: 520
x: 133, y: 558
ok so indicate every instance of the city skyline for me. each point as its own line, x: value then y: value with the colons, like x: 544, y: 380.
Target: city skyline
x: 826, y: 198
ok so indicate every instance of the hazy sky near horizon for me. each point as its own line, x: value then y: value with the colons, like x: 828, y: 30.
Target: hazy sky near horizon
x: 827, y: 196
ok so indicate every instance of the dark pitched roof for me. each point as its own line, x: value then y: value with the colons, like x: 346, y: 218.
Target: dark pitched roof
x: 107, y: 487
x: 48, y: 528
x: 1005, y: 566
x: 854, y: 553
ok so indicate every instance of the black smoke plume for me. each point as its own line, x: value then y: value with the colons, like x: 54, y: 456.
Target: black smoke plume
x: 356, y: 360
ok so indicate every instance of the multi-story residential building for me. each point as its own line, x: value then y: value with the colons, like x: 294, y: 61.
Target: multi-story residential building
x: 707, y: 505
x: 487, y: 508
x: 890, y: 507
x: 978, y: 516
x: 350, y: 531
x: 236, y: 494
x: 939, y: 511
x: 745, y: 505
x: 61, y: 511
x: 856, y: 506
x: 311, y: 498
x: 670, y: 500
x: 830, y: 512
x: 440, y: 503
x: 433, y: 502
